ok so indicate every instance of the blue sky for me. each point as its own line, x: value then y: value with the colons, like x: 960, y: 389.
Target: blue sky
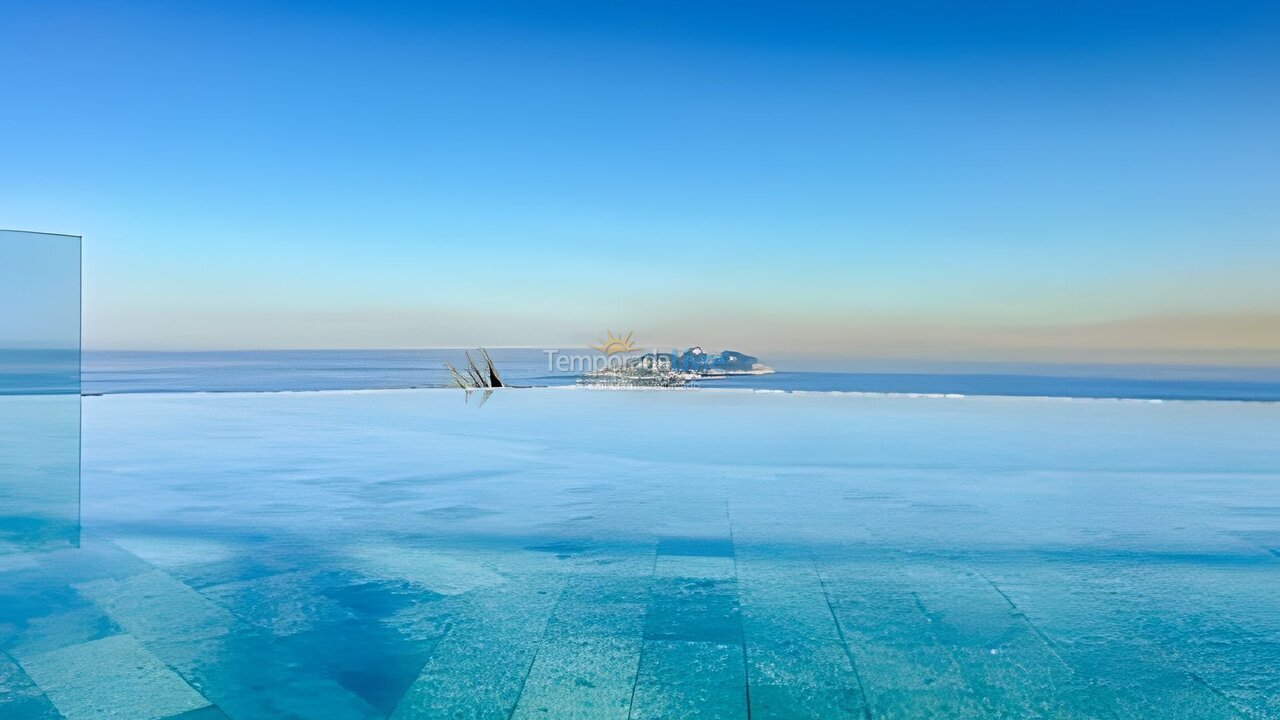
x: 1013, y: 181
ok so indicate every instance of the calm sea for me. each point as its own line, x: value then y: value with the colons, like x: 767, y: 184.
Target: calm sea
x: 299, y: 370
x: 114, y: 372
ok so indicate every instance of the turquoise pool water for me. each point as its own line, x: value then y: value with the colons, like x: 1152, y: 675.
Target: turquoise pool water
x: 564, y: 553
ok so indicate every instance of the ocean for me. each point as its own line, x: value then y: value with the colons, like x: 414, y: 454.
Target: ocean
x: 301, y: 370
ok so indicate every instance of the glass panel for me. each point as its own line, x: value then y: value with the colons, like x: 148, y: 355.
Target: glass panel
x: 39, y: 390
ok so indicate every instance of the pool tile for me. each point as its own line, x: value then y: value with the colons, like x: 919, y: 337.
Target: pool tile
x: 638, y: 562
x: 586, y: 663
x: 283, y: 604
x: 153, y: 606
x: 208, y: 645
x: 1106, y: 635
x: 696, y: 566
x: 702, y: 546
x: 471, y: 675
x: 20, y: 699
x: 440, y: 572
x: 366, y: 656
x: 481, y: 662
x: 207, y: 713
x: 690, y: 681
x: 795, y: 653
x: 25, y: 596
x: 601, y: 605
x: 371, y: 597
x: 693, y: 609
x: 906, y: 672
x: 803, y: 702
x: 168, y: 552
x: 912, y: 680
x: 220, y: 572
x: 581, y: 677
x: 61, y: 629
x: 277, y: 683
x: 564, y: 548
x: 1000, y: 654
x: 111, y: 678
x: 95, y: 559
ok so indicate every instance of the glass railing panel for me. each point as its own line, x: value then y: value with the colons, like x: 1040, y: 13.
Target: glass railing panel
x: 39, y: 390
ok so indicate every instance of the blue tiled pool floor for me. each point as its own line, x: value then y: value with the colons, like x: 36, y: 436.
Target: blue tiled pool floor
x: 401, y: 555
x: 641, y: 635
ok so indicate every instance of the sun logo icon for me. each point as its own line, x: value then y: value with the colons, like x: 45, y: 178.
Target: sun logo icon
x: 612, y: 345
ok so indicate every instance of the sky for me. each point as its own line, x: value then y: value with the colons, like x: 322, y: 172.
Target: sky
x: 1092, y: 181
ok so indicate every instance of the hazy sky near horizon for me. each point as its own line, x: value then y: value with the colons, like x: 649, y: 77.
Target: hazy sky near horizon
x: 1092, y: 180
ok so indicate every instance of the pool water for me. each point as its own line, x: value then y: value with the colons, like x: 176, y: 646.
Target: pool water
x: 568, y: 553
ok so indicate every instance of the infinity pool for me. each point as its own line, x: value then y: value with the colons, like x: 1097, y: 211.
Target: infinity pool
x: 565, y: 553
